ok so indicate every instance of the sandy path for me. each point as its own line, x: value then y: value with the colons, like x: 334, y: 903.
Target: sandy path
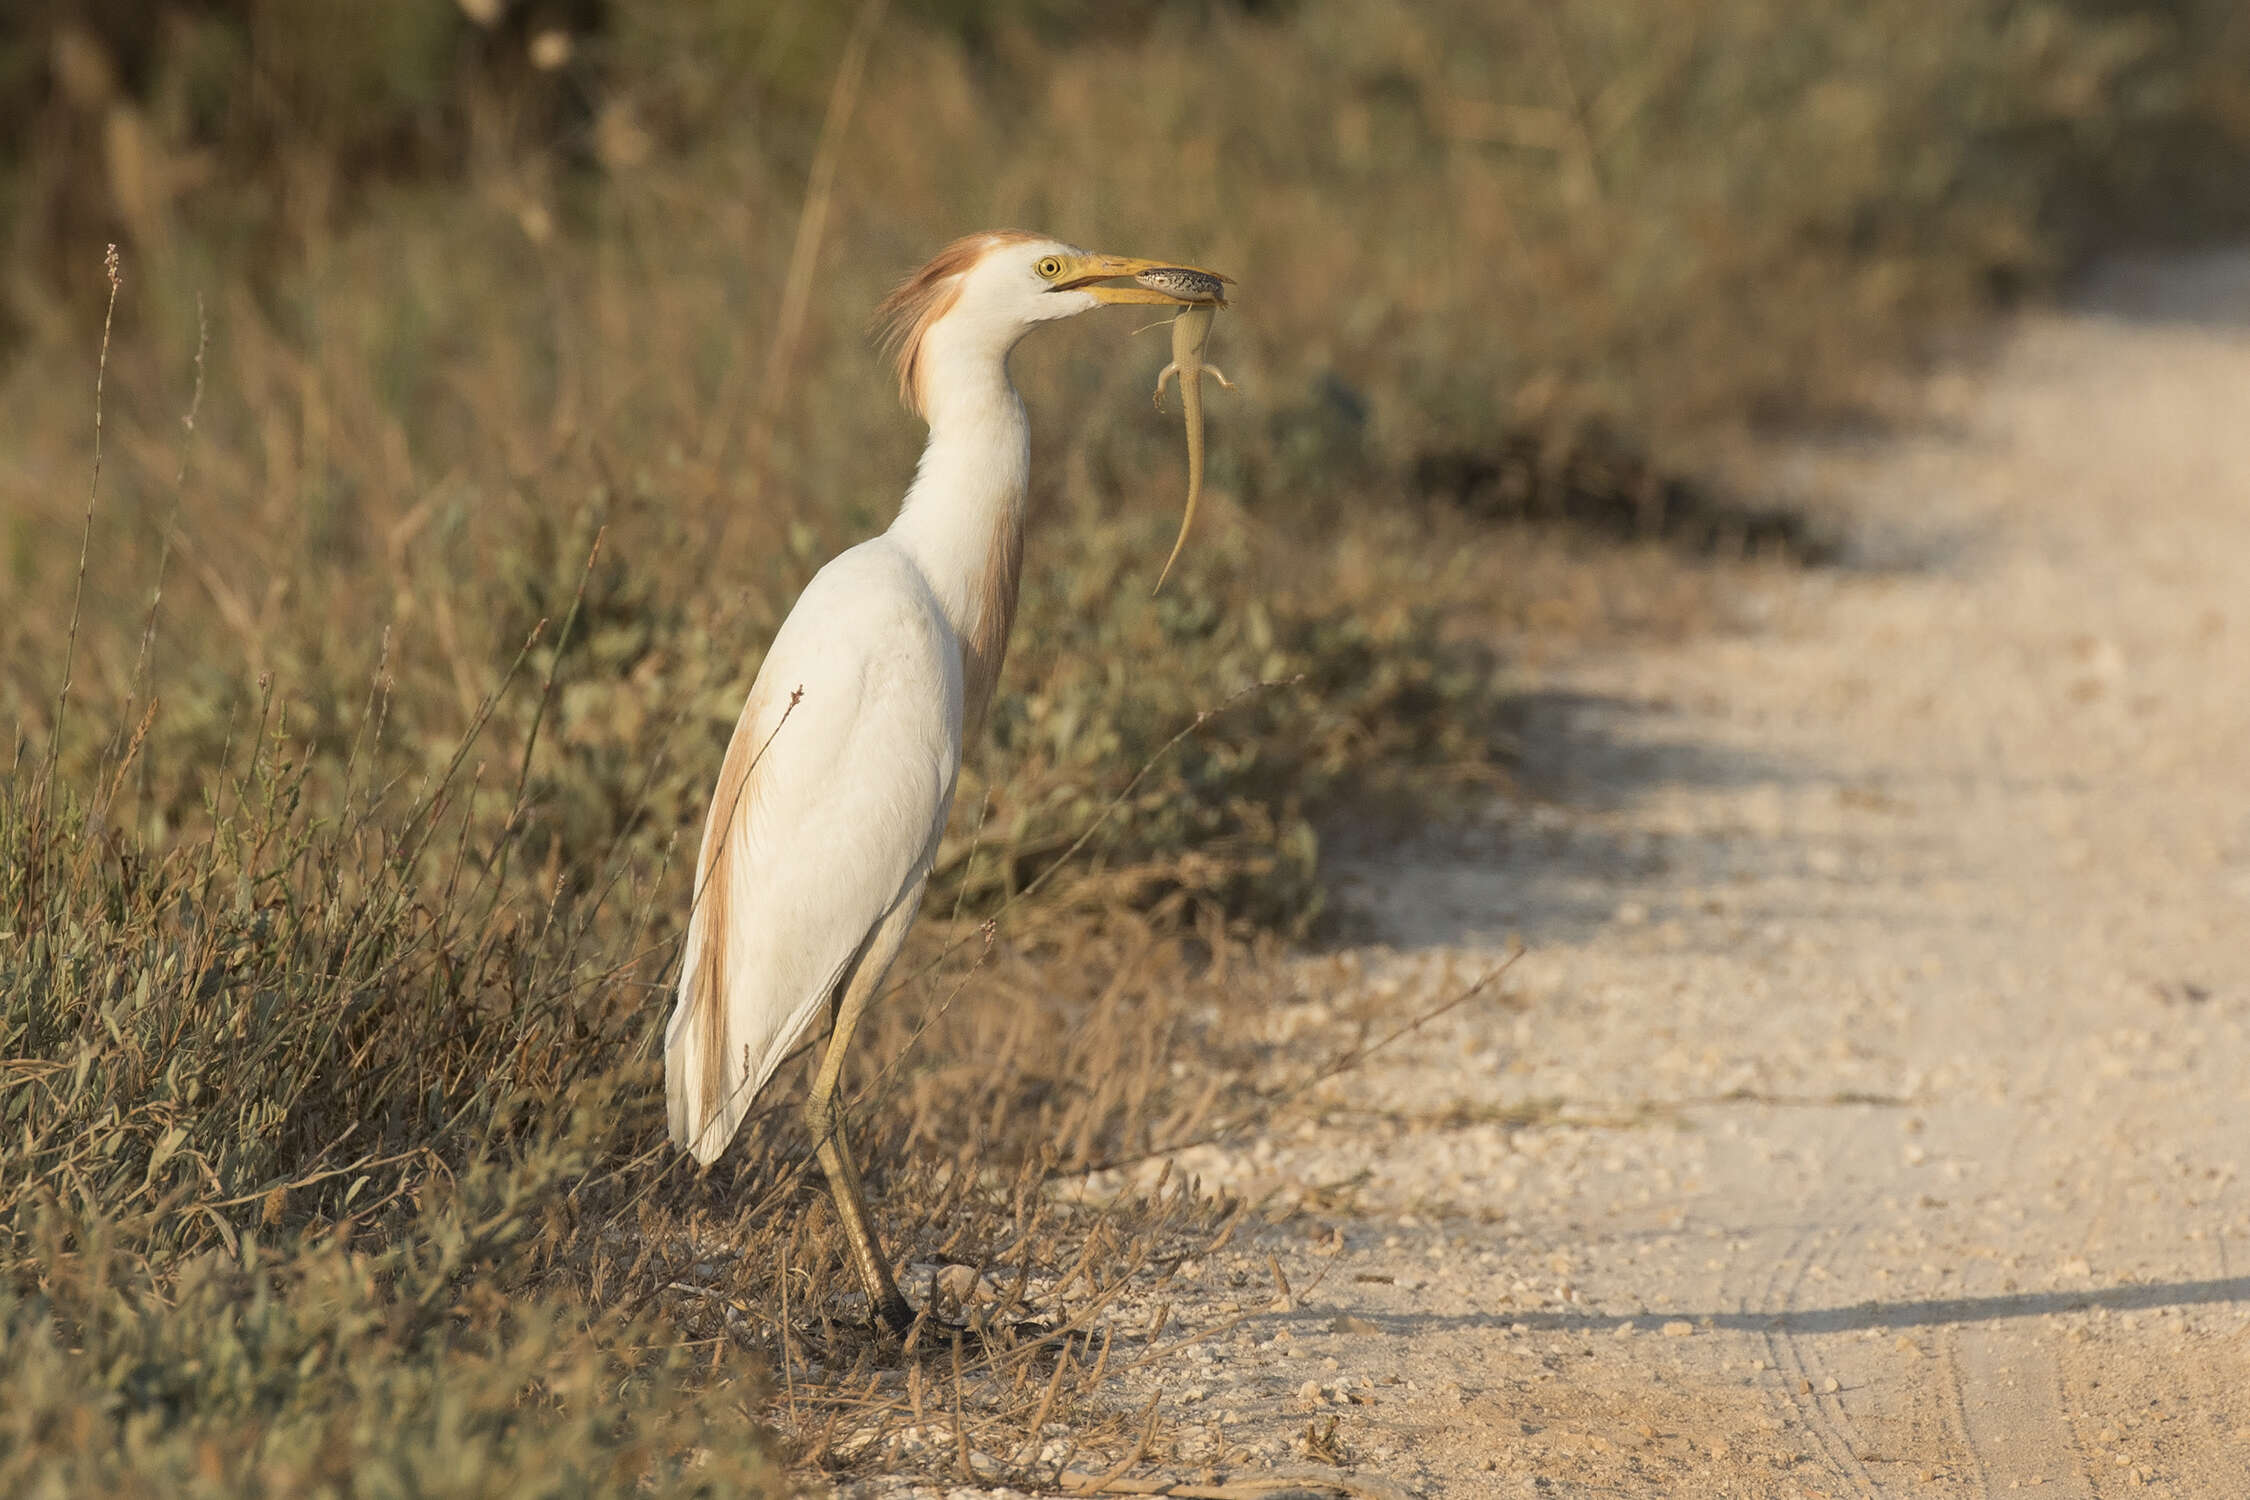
x: 1873, y: 1111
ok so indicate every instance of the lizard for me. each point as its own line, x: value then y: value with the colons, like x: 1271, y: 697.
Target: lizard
x: 1191, y: 330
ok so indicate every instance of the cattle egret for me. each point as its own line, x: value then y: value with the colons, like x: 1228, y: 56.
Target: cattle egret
x: 836, y: 785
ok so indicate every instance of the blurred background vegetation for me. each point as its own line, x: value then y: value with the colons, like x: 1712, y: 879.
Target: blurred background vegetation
x: 325, y: 923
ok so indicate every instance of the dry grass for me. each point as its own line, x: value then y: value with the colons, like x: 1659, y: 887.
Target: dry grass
x: 339, y: 902
x: 310, y: 1114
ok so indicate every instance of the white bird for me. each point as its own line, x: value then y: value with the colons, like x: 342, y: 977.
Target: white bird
x: 836, y: 786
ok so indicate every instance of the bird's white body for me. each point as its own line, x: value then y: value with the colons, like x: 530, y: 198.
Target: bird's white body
x: 846, y: 790
x: 840, y: 775
x: 835, y: 827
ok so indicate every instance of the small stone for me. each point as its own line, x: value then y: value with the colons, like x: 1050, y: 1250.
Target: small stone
x: 1678, y: 1328
x: 1830, y: 1386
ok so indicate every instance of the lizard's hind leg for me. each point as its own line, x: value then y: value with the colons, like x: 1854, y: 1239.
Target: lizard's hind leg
x: 1166, y: 374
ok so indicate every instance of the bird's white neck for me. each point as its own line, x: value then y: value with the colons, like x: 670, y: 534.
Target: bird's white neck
x: 962, y: 521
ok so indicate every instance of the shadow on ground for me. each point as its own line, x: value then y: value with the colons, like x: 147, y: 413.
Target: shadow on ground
x: 2210, y: 290
x: 1577, y: 846
x: 1853, y: 1317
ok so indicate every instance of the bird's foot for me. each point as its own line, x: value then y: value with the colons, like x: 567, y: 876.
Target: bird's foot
x: 902, y: 1322
x: 995, y: 1334
x: 894, y: 1315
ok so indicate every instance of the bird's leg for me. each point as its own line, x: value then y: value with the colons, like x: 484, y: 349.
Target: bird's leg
x: 890, y: 1308
x: 824, y: 1117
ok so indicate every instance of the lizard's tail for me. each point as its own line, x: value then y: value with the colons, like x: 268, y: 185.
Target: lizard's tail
x: 1195, y: 485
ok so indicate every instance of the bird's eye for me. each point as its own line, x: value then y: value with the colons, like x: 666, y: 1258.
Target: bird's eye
x: 1050, y: 268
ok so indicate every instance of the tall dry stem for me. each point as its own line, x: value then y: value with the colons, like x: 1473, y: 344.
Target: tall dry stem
x: 112, y: 268
x: 812, y: 224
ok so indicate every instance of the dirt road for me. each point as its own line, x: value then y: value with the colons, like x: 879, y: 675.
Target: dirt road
x: 1873, y: 1112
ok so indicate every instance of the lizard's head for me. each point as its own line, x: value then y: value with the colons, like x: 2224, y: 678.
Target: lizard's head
x: 1188, y: 283
x: 980, y: 294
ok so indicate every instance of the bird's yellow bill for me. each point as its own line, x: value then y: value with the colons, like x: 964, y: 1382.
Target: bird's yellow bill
x: 1085, y: 271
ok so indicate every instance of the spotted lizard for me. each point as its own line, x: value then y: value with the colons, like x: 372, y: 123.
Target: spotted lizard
x: 1191, y: 330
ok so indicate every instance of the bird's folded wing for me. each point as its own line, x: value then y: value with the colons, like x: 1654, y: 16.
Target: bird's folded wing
x: 824, y: 819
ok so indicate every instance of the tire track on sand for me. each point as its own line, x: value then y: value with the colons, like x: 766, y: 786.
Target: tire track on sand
x: 2006, y: 1384
x: 1820, y: 1413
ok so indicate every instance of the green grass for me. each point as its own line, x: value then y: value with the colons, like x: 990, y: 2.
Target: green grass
x: 337, y: 936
